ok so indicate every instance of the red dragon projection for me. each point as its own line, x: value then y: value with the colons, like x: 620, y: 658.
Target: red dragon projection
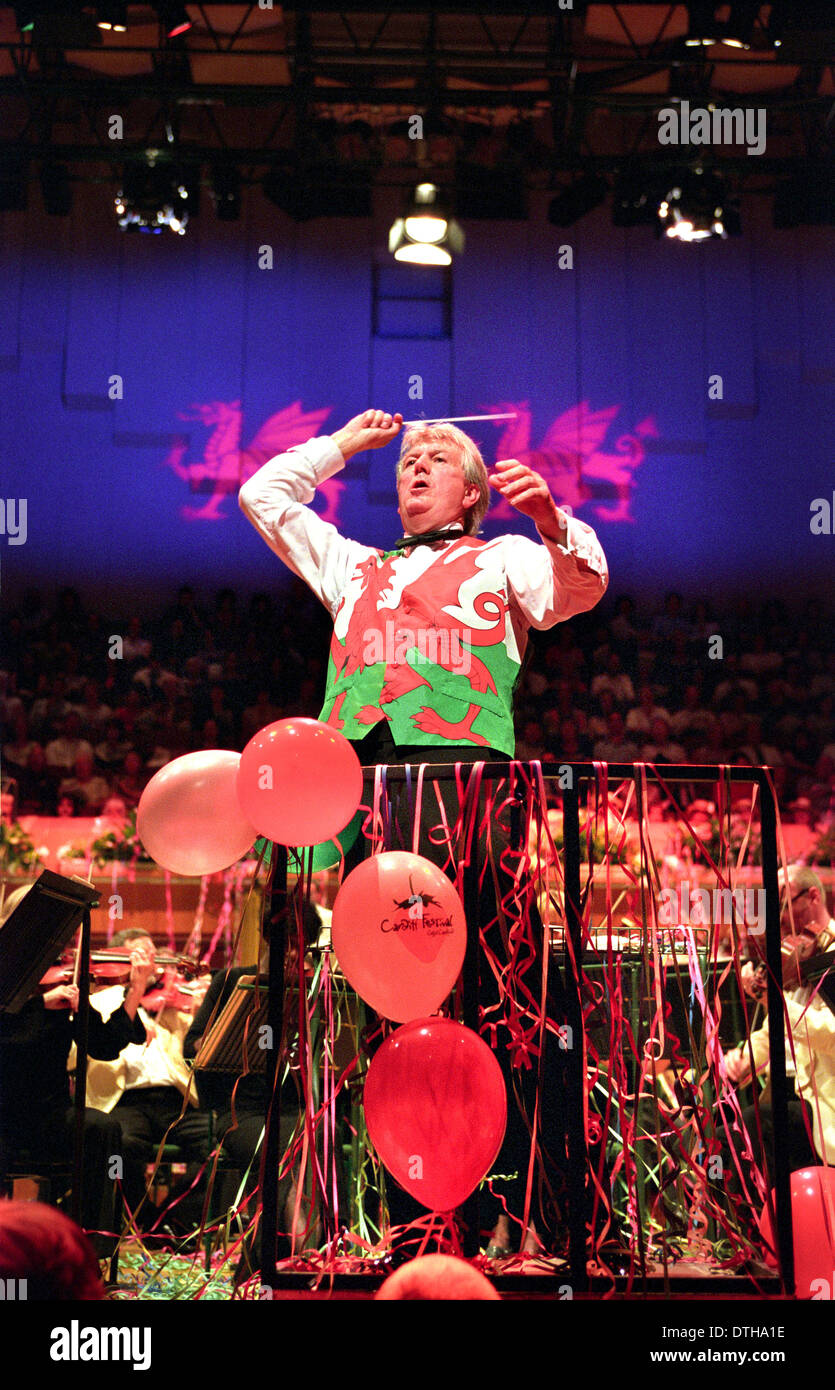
x: 570, y: 458
x: 225, y: 465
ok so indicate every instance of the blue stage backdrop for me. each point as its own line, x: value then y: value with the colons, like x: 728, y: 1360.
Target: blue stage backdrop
x: 680, y: 399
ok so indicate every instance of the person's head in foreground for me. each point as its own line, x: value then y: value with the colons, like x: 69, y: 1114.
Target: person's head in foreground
x: 41, y: 1245
x: 437, y: 1278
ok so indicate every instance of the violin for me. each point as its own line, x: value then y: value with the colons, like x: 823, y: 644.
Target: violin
x: 113, y: 968
x: 802, y: 964
x: 176, y: 992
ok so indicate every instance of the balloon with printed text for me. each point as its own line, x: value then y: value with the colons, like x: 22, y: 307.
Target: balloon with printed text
x: 399, y: 934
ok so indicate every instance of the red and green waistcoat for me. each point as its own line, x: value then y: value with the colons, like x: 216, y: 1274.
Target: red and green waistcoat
x: 427, y: 640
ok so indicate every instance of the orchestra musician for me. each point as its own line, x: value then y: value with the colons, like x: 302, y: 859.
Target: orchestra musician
x: 806, y: 928
x: 36, y: 1114
x: 238, y: 1101
x: 148, y: 1088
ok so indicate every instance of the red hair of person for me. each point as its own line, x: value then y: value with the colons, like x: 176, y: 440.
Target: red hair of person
x: 40, y: 1244
x: 437, y: 1278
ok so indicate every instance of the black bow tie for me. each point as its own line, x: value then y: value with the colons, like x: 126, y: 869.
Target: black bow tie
x: 428, y: 538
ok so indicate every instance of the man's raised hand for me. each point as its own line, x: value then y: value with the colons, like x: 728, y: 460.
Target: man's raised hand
x: 371, y: 430
x: 528, y: 492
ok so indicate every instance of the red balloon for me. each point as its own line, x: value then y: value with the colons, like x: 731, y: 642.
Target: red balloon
x: 299, y: 781
x: 399, y: 934
x: 813, y: 1226
x: 436, y: 1110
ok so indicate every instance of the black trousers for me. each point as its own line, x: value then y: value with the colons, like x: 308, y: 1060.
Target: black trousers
x: 144, y: 1115
x: 522, y: 1083
x: 801, y: 1151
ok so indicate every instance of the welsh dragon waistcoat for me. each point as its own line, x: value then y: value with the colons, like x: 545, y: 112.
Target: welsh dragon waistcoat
x: 437, y: 656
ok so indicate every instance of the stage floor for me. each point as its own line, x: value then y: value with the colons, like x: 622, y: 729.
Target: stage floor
x: 180, y: 1273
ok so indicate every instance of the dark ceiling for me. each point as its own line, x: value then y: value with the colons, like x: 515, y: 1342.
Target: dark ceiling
x: 542, y: 89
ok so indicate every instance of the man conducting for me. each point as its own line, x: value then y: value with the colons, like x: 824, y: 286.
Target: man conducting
x: 428, y: 637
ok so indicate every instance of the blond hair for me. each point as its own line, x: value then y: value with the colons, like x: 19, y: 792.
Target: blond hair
x: 475, y: 472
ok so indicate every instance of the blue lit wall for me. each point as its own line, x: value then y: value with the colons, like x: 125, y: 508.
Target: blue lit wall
x: 222, y: 362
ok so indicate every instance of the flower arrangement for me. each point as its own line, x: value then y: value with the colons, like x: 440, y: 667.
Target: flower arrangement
x: 18, y: 853
x: 708, y: 830
x: 122, y: 844
x: 823, y: 850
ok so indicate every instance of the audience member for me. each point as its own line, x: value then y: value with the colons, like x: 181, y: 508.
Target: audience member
x: 42, y: 1246
x: 186, y: 681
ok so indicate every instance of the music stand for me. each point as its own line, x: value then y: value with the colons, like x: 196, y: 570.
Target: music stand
x: 235, y: 1036
x: 31, y: 938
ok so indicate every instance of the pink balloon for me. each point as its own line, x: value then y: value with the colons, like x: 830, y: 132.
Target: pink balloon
x: 299, y: 782
x: 436, y: 1109
x: 813, y: 1226
x: 399, y: 934
x: 189, y: 819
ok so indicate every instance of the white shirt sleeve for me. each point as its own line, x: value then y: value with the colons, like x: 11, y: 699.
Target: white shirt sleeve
x: 274, y: 500
x: 556, y: 579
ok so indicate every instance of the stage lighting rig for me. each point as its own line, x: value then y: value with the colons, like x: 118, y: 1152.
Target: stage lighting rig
x: 174, y: 19
x: 696, y: 207
x: 112, y: 16
x: 154, y: 197
x: 735, y: 28
x: 427, y: 234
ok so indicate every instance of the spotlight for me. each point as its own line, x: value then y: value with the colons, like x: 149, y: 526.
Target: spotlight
x: 739, y: 26
x: 226, y: 191
x: 56, y: 190
x: 175, y: 20
x: 113, y: 16
x: 582, y: 196
x: 695, y: 207
x: 152, y: 197
x: 25, y: 17
x: 427, y: 234
x: 703, y: 29
x: 426, y: 220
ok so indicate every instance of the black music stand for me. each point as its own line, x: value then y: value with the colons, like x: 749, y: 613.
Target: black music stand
x: 34, y: 934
